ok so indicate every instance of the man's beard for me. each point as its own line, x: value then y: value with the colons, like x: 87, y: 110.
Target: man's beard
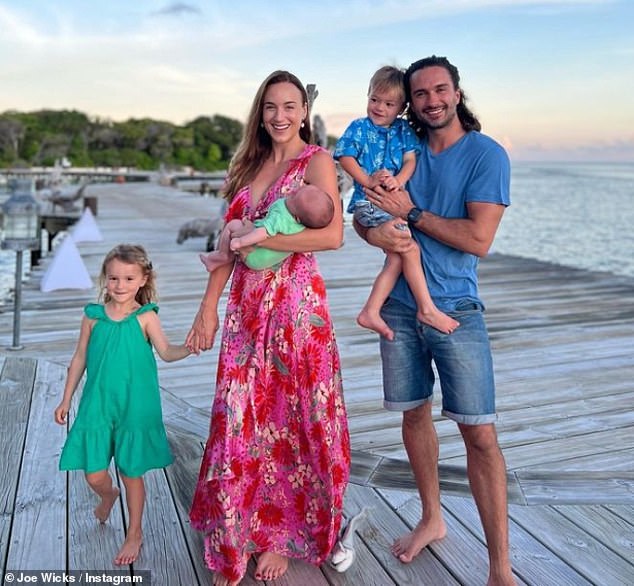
x: 437, y: 125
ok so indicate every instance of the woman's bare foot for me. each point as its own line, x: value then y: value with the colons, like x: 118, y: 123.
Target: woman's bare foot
x: 407, y: 547
x: 373, y: 321
x: 437, y: 319
x: 102, y: 510
x: 220, y: 580
x: 130, y: 549
x: 271, y: 566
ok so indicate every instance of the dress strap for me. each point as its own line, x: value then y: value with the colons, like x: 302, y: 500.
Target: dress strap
x: 147, y: 307
x: 298, y: 166
x: 95, y: 311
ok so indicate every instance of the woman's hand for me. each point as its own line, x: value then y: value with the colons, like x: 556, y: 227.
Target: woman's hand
x: 202, y: 334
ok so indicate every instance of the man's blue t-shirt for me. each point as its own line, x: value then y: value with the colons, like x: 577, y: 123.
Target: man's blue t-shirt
x: 474, y: 169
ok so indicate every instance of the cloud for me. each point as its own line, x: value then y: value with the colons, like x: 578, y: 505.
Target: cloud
x: 119, y: 59
x: 15, y: 28
x: 177, y: 9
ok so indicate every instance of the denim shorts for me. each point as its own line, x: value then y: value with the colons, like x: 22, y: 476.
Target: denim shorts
x: 463, y: 362
x: 368, y: 215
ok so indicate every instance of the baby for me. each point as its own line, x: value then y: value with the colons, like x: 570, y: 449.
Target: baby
x: 308, y: 207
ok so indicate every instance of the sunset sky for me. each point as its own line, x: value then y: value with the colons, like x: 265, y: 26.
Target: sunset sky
x: 549, y: 79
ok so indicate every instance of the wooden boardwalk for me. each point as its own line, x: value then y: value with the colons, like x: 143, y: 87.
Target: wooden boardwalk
x: 564, y: 358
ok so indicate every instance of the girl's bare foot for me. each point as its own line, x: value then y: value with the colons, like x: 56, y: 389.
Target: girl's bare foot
x: 130, y: 549
x: 437, y: 319
x: 271, y: 566
x: 373, y: 321
x: 102, y: 510
x: 408, y: 546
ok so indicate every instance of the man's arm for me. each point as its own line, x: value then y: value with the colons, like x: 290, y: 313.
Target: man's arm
x: 473, y: 234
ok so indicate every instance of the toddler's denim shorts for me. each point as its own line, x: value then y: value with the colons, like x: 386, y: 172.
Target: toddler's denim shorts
x: 370, y: 216
x: 463, y: 361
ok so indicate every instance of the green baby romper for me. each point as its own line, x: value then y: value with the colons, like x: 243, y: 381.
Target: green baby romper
x: 119, y: 412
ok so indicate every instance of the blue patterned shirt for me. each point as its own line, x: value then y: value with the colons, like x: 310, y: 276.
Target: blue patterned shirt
x: 375, y: 147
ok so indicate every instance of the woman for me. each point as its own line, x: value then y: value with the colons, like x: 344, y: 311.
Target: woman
x: 277, y: 459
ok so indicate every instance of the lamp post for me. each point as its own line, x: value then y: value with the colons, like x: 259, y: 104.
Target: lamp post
x: 20, y: 232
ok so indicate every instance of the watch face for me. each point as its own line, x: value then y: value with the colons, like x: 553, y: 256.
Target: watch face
x: 413, y: 214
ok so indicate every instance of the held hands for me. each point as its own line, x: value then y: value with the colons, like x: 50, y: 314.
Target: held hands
x: 386, y: 180
x: 202, y: 334
x: 395, y: 201
x: 378, y: 178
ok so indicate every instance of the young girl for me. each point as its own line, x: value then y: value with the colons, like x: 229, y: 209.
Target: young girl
x: 119, y: 413
x: 381, y: 149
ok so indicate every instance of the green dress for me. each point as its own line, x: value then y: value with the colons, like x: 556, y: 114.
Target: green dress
x: 119, y: 412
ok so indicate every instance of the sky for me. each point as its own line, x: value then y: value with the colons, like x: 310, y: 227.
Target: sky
x: 551, y: 80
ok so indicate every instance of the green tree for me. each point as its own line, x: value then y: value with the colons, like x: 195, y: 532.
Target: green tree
x: 44, y: 136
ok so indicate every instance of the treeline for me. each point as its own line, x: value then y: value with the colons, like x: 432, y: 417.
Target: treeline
x: 44, y: 137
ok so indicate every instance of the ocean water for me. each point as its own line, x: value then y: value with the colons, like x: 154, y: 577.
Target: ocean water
x: 573, y: 214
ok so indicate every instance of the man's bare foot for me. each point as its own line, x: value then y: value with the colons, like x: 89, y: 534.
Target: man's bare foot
x: 271, y: 566
x: 438, y: 320
x: 504, y: 579
x: 220, y: 580
x: 373, y: 321
x: 407, y: 547
x: 102, y: 510
x: 130, y: 549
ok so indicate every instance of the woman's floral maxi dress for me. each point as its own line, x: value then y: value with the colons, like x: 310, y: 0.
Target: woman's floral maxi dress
x: 277, y: 459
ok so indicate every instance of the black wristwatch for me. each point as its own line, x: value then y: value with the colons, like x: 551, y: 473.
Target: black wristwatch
x: 414, y: 215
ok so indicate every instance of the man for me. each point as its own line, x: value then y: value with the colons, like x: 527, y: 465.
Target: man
x: 455, y: 202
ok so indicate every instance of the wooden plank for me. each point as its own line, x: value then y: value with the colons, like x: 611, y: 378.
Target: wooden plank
x: 562, y: 347
x: 181, y: 477
x: 16, y: 387
x: 366, y: 569
x: 90, y: 544
x: 580, y: 550
x: 362, y: 466
x: 299, y: 572
x: 182, y: 417
x: 533, y: 561
x: 38, y: 535
x: 165, y: 550
x: 576, y: 487
x: 606, y: 525
x: 381, y: 528
x: 460, y: 551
